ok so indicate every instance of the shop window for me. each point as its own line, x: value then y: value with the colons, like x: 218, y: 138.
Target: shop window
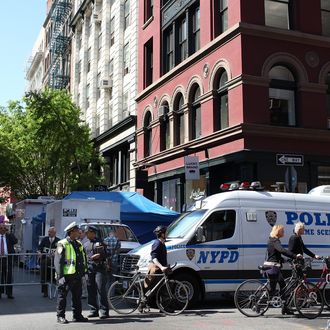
x: 323, y: 175
x: 282, y: 97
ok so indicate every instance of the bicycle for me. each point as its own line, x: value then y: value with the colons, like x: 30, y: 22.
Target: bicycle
x: 252, y: 297
x: 127, y: 294
x: 323, y: 282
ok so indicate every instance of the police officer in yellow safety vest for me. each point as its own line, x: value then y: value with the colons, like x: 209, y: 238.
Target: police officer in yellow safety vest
x: 71, y: 266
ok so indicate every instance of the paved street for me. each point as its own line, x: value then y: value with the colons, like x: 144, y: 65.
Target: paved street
x: 31, y: 311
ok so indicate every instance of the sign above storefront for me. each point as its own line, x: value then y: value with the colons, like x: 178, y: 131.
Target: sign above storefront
x: 191, y: 165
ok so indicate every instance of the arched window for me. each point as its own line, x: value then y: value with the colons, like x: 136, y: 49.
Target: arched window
x: 282, y: 96
x: 147, y: 134
x: 195, y: 114
x: 164, y: 126
x: 178, y: 120
x: 221, y: 120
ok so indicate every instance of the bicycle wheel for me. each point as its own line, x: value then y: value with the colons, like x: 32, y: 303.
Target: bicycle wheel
x: 172, y: 297
x: 123, y: 297
x: 252, y: 298
x: 308, y: 300
x: 326, y: 295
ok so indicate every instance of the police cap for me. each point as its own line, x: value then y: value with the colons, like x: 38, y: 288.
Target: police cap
x: 91, y: 228
x: 70, y: 227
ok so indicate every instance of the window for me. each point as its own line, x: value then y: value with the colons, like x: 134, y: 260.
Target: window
x: 169, y: 46
x: 279, y: 13
x: 196, y: 30
x: 97, y: 125
x: 180, y: 34
x: 164, y: 126
x: 328, y: 99
x: 98, y: 92
x: 110, y: 77
x: 79, y: 71
x: 195, y: 115
x: 126, y: 14
x: 148, y: 63
x: 178, y: 121
x: 221, y: 119
x: 87, y: 95
x: 125, y: 105
x: 282, y: 97
x: 223, y: 9
x: 112, y: 31
x: 219, y: 225
x: 89, y: 56
x: 323, y: 175
x: 147, y: 134
x: 325, y: 16
x: 99, y: 43
x: 126, y: 59
x: 148, y: 9
x: 183, y: 45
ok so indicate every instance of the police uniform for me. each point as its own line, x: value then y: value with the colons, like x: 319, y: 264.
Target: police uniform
x: 47, y: 247
x: 97, y: 276
x: 70, y: 265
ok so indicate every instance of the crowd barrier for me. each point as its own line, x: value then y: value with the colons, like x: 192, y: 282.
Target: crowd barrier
x: 22, y: 269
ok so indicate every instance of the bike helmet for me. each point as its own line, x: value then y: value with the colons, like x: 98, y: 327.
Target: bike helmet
x: 160, y: 229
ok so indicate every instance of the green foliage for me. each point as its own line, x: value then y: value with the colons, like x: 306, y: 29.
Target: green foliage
x: 45, y: 147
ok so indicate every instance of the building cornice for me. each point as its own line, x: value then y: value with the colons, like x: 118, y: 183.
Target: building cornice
x: 234, y: 133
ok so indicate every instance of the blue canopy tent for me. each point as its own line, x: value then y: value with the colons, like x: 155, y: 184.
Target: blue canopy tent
x: 136, y: 211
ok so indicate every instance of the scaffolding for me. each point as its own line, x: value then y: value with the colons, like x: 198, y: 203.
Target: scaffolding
x: 59, y: 44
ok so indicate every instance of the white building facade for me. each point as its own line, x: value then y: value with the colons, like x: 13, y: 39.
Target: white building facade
x: 104, y: 81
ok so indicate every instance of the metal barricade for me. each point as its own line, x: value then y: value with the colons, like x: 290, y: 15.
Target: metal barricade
x: 22, y: 269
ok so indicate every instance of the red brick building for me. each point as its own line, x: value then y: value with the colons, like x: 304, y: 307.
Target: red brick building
x: 237, y: 83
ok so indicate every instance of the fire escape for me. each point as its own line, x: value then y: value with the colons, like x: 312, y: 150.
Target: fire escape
x: 59, y: 72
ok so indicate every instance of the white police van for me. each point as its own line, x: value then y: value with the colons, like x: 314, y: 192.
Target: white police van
x: 221, y: 244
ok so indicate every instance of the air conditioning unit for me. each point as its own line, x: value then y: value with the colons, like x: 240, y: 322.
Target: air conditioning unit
x: 162, y: 111
x: 97, y: 18
x: 105, y: 83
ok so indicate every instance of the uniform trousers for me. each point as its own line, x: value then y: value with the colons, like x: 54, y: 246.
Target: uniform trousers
x: 74, y: 285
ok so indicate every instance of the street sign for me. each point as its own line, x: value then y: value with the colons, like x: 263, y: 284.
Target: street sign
x: 289, y: 159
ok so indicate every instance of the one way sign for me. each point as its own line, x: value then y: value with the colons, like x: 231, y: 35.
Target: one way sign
x: 289, y: 160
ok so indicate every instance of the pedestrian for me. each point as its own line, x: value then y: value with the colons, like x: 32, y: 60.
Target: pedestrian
x: 113, y: 247
x: 46, y: 250
x: 296, y: 243
x: 83, y: 239
x: 97, y: 276
x: 7, y: 242
x: 70, y: 266
x: 275, y: 260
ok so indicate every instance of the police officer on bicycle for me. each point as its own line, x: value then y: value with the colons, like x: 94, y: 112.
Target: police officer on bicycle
x: 70, y: 265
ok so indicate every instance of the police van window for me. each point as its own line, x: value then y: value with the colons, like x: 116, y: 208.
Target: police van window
x: 220, y: 225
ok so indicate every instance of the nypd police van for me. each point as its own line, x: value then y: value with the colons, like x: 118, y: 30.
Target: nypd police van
x: 219, y: 245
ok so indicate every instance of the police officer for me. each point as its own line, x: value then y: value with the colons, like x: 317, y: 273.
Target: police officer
x: 70, y: 265
x: 46, y: 250
x: 97, y: 274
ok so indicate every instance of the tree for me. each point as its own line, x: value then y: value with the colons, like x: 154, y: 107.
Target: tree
x: 45, y: 146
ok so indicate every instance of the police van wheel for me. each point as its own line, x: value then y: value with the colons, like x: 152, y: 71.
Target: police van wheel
x: 192, y: 286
